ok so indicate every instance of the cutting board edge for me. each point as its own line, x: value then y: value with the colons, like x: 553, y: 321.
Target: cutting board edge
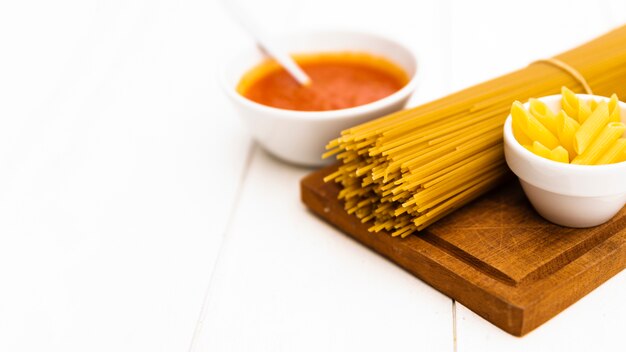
x: 511, y: 312
x: 501, y: 312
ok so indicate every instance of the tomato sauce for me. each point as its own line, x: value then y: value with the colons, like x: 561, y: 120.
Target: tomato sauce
x: 339, y: 81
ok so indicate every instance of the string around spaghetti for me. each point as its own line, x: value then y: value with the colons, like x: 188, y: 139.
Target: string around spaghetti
x: 569, y: 69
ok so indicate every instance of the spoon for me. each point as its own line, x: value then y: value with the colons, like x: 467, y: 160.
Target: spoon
x: 266, y: 45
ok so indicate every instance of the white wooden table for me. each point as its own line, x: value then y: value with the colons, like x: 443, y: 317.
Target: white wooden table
x: 136, y: 214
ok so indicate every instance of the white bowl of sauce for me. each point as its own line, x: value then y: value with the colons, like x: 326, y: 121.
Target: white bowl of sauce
x: 356, y: 77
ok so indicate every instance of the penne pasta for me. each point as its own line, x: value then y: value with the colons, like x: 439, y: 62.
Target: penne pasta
x: 584, y: 111
x: 540, y: 150
x: 566, y: 129
x: 614, y: 110
x: 539, y: 110
x: 532, y: 127
x: 601, y: 144
x: 613, y: 154
x: 596, y: 137
x: 559, y: 154
x: 569, y: 102
x: 519, y: 135
x: 591, y: 128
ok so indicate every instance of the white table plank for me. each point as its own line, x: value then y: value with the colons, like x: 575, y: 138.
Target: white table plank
x: 121, y: 162
x: 492, y: 38
x: 287, y: 281
x: 615, y: 11
x: 120, y: 166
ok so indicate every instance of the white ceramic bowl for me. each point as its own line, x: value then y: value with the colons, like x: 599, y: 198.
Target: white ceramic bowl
x: 300, y: 136
x: 565, y: 194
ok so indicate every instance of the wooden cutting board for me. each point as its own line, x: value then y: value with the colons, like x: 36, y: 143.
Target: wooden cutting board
x: 496, y: 255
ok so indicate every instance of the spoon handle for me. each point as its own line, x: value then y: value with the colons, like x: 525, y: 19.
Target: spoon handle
x: 266, y: 44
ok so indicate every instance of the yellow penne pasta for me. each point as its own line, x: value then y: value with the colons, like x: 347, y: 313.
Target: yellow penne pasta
x: 569, y: 102
x: 541, y: 150
x: 559, y: 154
x: 584, y: 111
x: 614, y: 109
x: 591, y: 128
x: 566, y: 128
x: 532, y: 127
x: 615, y: 116
x: 576, y: 108
x: 601, y: 144
x: 541, y: 111
x: 613, y: 154
x: 613, y: 102
x: 562, y: 138
x: 519, y: 135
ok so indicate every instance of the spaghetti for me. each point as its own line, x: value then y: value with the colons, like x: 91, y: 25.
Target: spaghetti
x: 404, y: 171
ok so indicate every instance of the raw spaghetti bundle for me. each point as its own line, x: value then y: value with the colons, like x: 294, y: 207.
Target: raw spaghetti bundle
x: 404, y: 171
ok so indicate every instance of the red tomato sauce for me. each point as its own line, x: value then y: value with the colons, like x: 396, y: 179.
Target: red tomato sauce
x: 339, y: 81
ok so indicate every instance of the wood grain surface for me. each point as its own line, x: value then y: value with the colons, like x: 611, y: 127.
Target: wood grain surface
x: 496, y: 255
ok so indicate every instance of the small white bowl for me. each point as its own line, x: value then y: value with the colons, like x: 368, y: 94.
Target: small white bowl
x: 300, y: 136
x: 566, y: 194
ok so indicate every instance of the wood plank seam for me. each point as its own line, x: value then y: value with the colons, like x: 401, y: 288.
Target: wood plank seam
x: 454, y: 326
x: 231, y: 215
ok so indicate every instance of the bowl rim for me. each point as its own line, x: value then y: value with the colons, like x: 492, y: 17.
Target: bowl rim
x: 389, y: 100
x: 511, y: 141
